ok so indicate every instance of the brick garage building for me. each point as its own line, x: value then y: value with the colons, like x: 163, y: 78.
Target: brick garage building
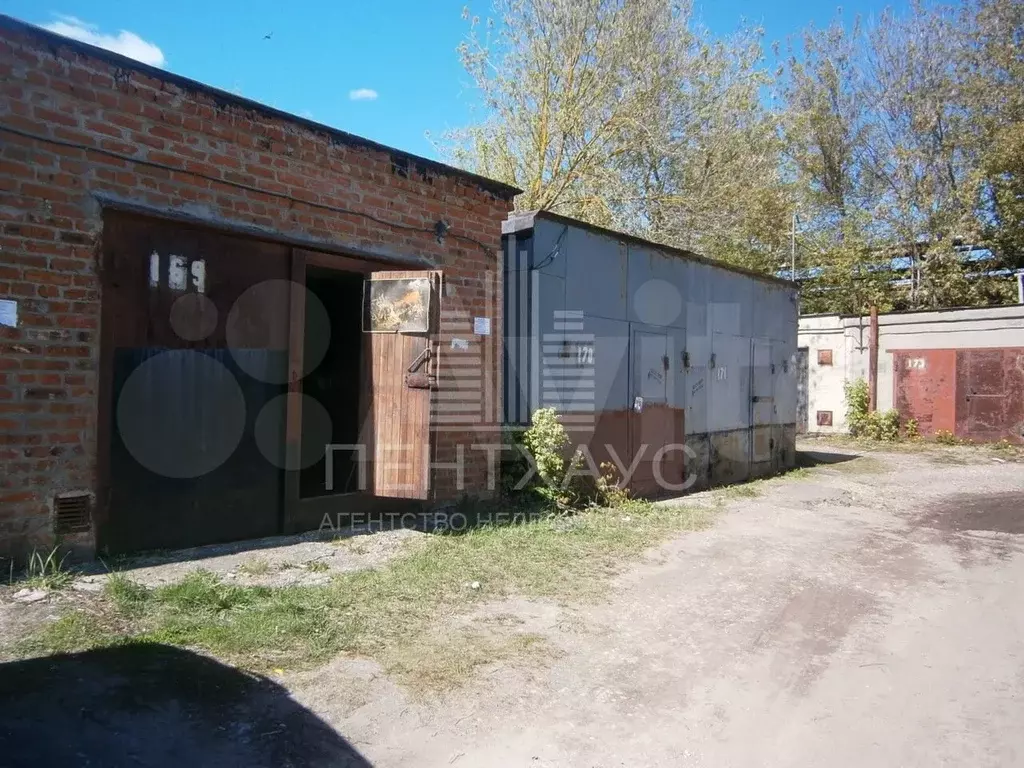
x: 165, y: 383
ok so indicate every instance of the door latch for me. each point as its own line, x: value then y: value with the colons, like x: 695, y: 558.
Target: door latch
x: 416, y: 380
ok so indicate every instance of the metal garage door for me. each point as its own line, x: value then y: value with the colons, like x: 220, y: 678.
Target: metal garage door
x: 195, y: 328
x: 990, y: 394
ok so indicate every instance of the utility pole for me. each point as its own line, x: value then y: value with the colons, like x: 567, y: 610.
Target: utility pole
x: 792, y: 249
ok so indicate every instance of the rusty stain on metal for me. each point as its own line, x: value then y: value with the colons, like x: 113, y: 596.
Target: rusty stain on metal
x: 990, y: 395
x: 976, y: 394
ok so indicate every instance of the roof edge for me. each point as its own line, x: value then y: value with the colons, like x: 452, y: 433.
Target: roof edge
x: 52, y: 40
x: 521, y: 220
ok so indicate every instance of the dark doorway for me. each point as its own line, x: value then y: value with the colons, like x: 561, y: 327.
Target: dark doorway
x: 333, y: 336
x: 802, y: 391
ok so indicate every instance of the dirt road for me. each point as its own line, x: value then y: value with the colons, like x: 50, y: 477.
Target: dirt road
x: 868, y: 615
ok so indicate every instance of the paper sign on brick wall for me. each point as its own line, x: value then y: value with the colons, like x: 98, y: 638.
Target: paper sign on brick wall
x: 9, y: 313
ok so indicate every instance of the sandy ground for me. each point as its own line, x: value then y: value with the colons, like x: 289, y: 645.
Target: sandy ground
x: 857, y: 618
x: 869, y: 615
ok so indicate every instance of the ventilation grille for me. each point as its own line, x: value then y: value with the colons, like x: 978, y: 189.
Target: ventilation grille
x: 824, y: 418
x: 72, y: 514
x: 824, y: 357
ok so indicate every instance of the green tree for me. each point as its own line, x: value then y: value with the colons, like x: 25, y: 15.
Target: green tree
x: 627, y: 113
x: 900, y: 143
x: 993, y: 80
x: 901, y: 150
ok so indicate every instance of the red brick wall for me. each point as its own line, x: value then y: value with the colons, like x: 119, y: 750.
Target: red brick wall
x: 51, y: 227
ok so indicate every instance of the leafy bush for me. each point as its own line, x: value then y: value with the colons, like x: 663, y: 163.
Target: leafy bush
x: 863, y: 422
x: 883, y: 425
x: 610, y: 493
x: 545, y: 440
x: 560, y: 481
x: 945, y: 437
x: 857, y: 406
x: 911, y: 429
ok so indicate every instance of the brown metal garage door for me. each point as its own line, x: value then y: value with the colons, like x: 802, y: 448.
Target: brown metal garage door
x: 990, y: 394
x: 195, y: 327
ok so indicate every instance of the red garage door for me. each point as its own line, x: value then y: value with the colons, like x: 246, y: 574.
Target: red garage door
x: 925, y: 383
x: 990, y: 394
x: 973, y: 393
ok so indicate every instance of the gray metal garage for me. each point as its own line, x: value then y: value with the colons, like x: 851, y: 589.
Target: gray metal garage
x: 644, y: 349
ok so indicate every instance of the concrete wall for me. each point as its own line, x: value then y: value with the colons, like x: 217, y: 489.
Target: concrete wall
x: 826, y: 333
x: 604, y: 311
x: 848, y: 337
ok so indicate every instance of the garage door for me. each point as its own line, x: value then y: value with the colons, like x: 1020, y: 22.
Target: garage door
x: 990, y: 394
x: 194, y: 346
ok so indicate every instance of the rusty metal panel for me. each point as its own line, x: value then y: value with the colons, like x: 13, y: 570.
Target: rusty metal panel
x: 194, y: 352
x: 925, y: 381
x: 655, y: 428
x: 653, y: 421
x: 990, y: 394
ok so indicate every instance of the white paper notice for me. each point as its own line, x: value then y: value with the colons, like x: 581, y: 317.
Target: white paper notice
x: 482, y: 326
x: 9, y: 313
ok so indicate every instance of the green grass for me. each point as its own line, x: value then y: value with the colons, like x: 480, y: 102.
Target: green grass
x: 750, y: 490
x: 799, y: 473
x: 257, y: 567
x: 47, y: 571
x: 396, y: 614
x: 913, y: 445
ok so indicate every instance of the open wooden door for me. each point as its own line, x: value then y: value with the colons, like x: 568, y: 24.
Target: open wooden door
x: 401, y: 311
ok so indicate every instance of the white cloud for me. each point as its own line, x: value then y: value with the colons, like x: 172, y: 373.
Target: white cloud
x: 362, y: 94
x: 124, y: 42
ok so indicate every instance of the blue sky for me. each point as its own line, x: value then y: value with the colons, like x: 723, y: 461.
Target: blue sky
x: 399, y: 55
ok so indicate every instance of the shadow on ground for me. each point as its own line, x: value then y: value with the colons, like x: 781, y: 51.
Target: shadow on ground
x: 154, y: 705
x: 992, y: 512
x: 820, y: 458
